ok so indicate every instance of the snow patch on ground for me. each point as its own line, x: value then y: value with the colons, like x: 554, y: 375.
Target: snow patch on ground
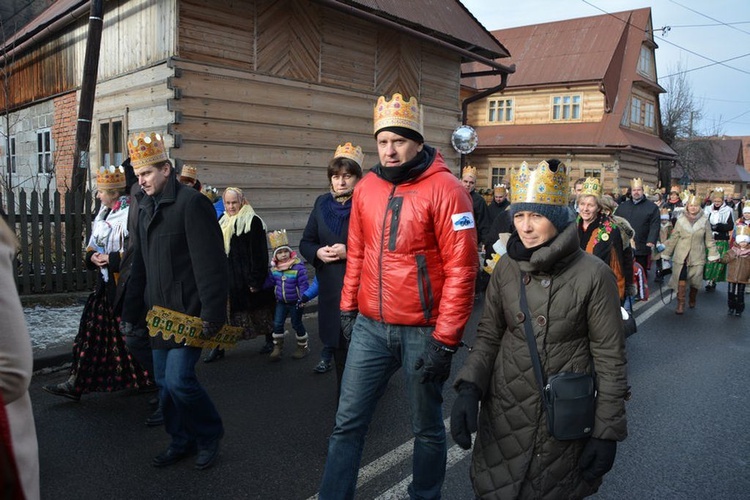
x: 52, y: 326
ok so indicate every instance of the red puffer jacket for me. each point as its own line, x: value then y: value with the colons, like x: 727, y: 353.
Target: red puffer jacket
x: 412, y: 251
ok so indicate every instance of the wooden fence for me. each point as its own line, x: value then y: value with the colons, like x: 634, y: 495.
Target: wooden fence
x: 52, y: 238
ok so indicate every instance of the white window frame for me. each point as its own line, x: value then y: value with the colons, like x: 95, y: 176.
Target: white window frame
x: 636, y: 114
x: 45, y: 148
x: 500, y: 110
x: 566, y: 107
x: 645, y: 62
x: 497, y: 175
x: 592, y: 172
x: 648, y: 115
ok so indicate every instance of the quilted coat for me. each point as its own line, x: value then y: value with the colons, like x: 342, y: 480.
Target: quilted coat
x: 687, y: 245
x: 575, y: 312
x: 412, y: 251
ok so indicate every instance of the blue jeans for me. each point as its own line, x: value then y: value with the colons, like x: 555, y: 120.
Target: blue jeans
x: 376, y: 351
x: 190, y: 416
x: 282, y: 311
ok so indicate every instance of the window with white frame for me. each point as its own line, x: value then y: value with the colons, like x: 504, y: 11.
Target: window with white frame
x: 44, y: 151
x: 498, y: 174
x: 566, y: 107
x: 111, y: 143
x: 648, y: 115
x: 645, y: 62
x: 500, y: 110
x: 636, y: 117
x: 12, y: 151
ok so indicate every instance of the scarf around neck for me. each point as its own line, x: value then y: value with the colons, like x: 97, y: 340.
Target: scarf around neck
x: 238, y: 224
x: 336, y: 210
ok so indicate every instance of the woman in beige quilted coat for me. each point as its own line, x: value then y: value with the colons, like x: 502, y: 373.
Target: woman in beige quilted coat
x: 575, y: 312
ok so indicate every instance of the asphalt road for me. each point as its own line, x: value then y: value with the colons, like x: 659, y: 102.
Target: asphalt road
x: 687, y: 420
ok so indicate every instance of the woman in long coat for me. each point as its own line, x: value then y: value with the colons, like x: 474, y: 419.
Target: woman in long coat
x: 101, y: 359
x: 686, y: 247
x: 575, y: 313
x: 323, y: 244
x: 251, y: 305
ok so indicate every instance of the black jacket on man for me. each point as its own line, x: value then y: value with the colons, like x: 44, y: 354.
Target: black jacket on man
x: 481, y: 217
x: 178, y: 260
x: 644, y: 217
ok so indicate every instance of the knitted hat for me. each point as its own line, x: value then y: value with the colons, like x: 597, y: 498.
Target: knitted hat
x: 560, y: 216
x: 282, y: 247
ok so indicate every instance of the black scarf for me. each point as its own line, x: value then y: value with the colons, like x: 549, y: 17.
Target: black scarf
x: 409, y: 170
x: 517, y: 251
x: 336, y: 214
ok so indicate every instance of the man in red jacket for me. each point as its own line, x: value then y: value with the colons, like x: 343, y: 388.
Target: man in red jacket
x: 408, y: 292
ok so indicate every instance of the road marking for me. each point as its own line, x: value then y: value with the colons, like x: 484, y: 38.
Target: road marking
x: 643, y: 310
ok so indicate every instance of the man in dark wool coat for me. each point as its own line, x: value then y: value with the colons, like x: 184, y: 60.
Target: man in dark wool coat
x: 179, y: 264
x: 643, y: 215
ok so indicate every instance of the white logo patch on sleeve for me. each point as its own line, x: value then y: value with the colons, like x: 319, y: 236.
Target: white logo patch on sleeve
x: 462, y: 221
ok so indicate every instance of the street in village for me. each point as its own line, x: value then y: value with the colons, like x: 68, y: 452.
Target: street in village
x: 687, y: 421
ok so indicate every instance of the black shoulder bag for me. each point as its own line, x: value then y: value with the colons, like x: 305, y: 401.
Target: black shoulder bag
x: 568, y: 398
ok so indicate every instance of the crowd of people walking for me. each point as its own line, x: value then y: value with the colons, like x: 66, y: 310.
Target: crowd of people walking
x: 396, y: 259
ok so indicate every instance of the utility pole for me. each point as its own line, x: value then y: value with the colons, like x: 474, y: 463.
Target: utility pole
x: 88, y: 91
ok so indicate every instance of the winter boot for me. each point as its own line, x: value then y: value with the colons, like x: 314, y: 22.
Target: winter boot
x: 302, y: 349
x: 278, y: 346
x: 692, y: 296
x: 65, y: 389
x: 681, y: 289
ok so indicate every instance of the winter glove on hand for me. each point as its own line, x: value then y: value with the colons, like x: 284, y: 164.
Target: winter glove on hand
x: 435, y: 362
x: 597, y: 458
x: 126, y: 328
x: 631, y: 291
x: 211, y: 328
x: 465, y: 413
x: 300, y: 304
x: 347, y: 323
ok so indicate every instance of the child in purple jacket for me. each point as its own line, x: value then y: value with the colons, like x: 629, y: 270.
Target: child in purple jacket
x: 290, y: 283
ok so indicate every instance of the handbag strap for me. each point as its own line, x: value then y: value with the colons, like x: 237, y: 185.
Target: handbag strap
x: 531, y: 340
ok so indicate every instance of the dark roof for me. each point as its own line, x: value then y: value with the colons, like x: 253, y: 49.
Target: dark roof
x: 448, y: 20
x: 602, y: 50
x: 728, y: 167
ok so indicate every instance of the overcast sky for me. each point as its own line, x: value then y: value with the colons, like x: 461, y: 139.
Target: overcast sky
x: 702, y: 33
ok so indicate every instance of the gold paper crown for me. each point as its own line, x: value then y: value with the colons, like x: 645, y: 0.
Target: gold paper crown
x: 501, y: 189
x: 664, y: 211
x: 539, y: 185
x: 717, y: 192
x: 689, y: 198
x: 743, y: 230
x: 354, y: 153
x: 636, y: 183
x: 110, y: 178
x: 146, y: 150
x: 397, y: 113
x: 278, y: 239
x: 189, y: 172
x: 592, y: 187
x: 469, y: 170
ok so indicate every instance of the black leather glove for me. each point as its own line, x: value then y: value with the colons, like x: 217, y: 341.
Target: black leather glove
x: 126, y: 328
x: 211, y: 328
x: 347, y: 324
x: 464, y: 414
x: 435, y: 362
x: 597, y: 458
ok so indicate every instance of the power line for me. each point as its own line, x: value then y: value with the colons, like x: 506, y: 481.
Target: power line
x: 707, y: 25
x: 668, y: 42
x: 709, y: 17
x: 709, y: 65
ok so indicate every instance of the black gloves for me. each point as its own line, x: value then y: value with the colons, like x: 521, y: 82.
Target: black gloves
x: 126, y: 328
x: 597, y: 458
x: 465, y: 413
x: 436, y: 361
x: 301, y: 301
x: 211, y: 328
x: 347, y: 323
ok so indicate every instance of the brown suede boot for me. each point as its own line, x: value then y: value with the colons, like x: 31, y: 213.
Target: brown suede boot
x: 681, y: 289
x: 691, y: 298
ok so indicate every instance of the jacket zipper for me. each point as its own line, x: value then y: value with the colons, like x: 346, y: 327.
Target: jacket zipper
x: 382, y: 250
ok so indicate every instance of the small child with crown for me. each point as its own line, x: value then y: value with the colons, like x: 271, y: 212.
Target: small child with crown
x: 738, y: 270
x: 289, y: 277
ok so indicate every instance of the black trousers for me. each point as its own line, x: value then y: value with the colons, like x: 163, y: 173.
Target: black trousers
x: 736, y: 296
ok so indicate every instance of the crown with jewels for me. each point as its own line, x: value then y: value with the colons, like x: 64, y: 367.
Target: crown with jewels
x: 189, y: 172
x: 636, y: 183
x: 110, y: 178
x: 592, y: 187
x: 501, y: 189
x: 354, y: 153
x: 397, y: 113
x: 469, y: 170
x: 540, y: 184
x: 278, y: 239
x: 146, y: 149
